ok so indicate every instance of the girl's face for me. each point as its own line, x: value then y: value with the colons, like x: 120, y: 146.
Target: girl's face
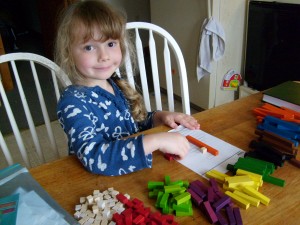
x: 96, y: 60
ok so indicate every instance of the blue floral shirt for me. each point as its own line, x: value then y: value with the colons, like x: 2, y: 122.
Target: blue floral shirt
x: 97, y: 123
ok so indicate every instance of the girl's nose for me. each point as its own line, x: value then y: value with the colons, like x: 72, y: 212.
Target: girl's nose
x: 102, y: 54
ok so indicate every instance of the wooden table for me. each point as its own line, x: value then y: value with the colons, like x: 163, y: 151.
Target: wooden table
x: 66, y: 180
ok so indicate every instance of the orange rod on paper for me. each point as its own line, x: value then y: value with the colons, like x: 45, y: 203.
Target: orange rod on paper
x: 200, y: 144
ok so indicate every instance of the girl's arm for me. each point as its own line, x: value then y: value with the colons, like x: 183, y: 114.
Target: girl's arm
x: 97, y: 152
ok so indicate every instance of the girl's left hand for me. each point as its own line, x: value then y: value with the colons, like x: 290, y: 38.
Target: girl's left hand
x: 173, y: 119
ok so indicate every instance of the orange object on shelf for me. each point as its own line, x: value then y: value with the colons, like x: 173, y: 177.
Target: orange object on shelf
x: 278, y: 112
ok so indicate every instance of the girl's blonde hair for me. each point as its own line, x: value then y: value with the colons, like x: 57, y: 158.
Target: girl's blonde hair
x: 91, y: 14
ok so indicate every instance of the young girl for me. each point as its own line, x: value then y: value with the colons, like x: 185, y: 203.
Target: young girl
x: 101, y: 110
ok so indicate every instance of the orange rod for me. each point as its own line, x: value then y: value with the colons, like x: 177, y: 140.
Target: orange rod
x: 201, y: 144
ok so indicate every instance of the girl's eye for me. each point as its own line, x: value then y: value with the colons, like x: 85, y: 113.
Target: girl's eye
x: 88, y: 48
x: 112, y: 44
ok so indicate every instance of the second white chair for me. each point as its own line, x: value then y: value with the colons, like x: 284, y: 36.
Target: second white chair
x: 169, y: 42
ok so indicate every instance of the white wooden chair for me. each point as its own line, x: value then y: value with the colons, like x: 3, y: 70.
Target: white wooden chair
x: 155, y: 32
x: 54, y: 73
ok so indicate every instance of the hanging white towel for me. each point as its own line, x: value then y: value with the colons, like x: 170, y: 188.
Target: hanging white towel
x: 212, y: 46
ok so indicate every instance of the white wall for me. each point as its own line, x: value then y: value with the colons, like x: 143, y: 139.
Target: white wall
x: 231, y: 15
x: 184, y: 22
x: 136, y: 10
x: 183, y: 19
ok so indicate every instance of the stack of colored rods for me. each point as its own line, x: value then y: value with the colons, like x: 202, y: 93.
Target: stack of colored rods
x: 257, y: 166
x: 217, y: 207
x: 242, y: 188
x: 171, y: 197
x: 279, y: 134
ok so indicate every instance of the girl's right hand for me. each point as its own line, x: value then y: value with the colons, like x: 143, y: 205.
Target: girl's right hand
x: 171, y: 143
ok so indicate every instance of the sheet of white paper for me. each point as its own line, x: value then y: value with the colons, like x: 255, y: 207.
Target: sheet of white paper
x: 201, y: 163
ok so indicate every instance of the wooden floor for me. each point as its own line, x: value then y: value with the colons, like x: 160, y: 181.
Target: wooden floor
x: 60, y: 138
